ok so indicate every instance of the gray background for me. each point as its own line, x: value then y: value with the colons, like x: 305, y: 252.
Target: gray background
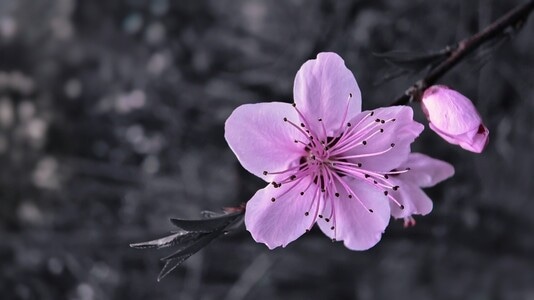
x: 111, y: 121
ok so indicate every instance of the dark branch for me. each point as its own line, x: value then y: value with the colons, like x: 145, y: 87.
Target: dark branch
x: 513, y: 19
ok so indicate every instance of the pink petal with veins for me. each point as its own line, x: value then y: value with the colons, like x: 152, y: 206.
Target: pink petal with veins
x: 261, y: 139
x: 278, y: 216
x: 424, y: 171
x: 358, y: 221
x: 324, y: 88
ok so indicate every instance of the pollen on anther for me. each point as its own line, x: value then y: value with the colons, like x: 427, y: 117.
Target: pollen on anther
x: 273, y: 199
x: 320, y: 216
x: 302, y: 125
x: 393, y: 120
x: 265, y: 172
x: 294, y: 104
x: 377, y: 120
x: 327, y: 219
x: 320, y: 120
x: 372, y: 113
x: 366, y: 175
x: 396, y: 187
x: 392, y: 145
x: 350, y: 95
x: 381, y: 130
x: 371, y: 211
x: 336, y: 194
x: 375, y: 182
x: 332, y: 228
x: 359, y: 165
x: 364, y: 142
x: 285, y: 119
x: 386, y: 193
x: 382, y: 121
x: 293, y: 177
x: 350, y: 196
x: 386, y: 176
x: 306, y: 214
x: 348, y: 124
x: 402, y: 206
x: 302, y: 193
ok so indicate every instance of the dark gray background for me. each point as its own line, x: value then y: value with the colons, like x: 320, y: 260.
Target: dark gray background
x: 111, y: 121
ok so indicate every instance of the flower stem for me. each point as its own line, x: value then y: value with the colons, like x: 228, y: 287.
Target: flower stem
x: 514, y: 19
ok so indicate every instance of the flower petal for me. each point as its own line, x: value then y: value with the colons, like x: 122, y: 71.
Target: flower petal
x: 387, y: 149
x: 425, y: 171
x: 354, y: 224
x: 260, y: 138
x: 321, y: 90
x: 412, y: 197
x: 280, y: 222
x: 449, y: 138
x: 474, y: 140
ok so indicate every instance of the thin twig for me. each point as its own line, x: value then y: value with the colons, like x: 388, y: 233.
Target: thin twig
x: 515, y: 19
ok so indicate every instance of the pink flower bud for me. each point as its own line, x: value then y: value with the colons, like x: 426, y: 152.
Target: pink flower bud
x: 454, y: 117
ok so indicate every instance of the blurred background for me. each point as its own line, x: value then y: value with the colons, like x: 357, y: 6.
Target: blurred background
x: 111, y: 122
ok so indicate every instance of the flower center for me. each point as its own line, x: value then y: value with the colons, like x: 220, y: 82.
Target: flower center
x: 329, y: 158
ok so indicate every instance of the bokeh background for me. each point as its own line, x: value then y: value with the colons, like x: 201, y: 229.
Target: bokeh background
x: 111, y: 122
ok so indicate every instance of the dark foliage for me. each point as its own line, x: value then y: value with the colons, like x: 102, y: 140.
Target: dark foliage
x: 191, y: 237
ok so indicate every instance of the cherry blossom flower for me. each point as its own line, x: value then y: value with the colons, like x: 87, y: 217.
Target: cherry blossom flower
x: 454, y: 117
x: 327, y: 162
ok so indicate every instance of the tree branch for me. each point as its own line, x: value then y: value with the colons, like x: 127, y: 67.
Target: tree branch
x: 515, y: 19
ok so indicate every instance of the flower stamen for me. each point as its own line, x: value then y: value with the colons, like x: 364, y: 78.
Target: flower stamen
x: 365, y: 154
x: 345, y: 113
x: 306, y: 134
x: 305, y: 122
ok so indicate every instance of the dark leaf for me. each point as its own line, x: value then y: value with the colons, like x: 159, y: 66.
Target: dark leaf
x: 192, y: 236
x: 177, y: 258
x: 205, y: 225
x: 170, y: 240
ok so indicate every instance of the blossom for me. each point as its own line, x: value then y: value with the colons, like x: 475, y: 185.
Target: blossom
x: 326, y: 161
x: 454, y: 117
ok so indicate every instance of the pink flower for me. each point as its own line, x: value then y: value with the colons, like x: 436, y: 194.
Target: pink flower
x: 327, y: 162
x: 454, y: 117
